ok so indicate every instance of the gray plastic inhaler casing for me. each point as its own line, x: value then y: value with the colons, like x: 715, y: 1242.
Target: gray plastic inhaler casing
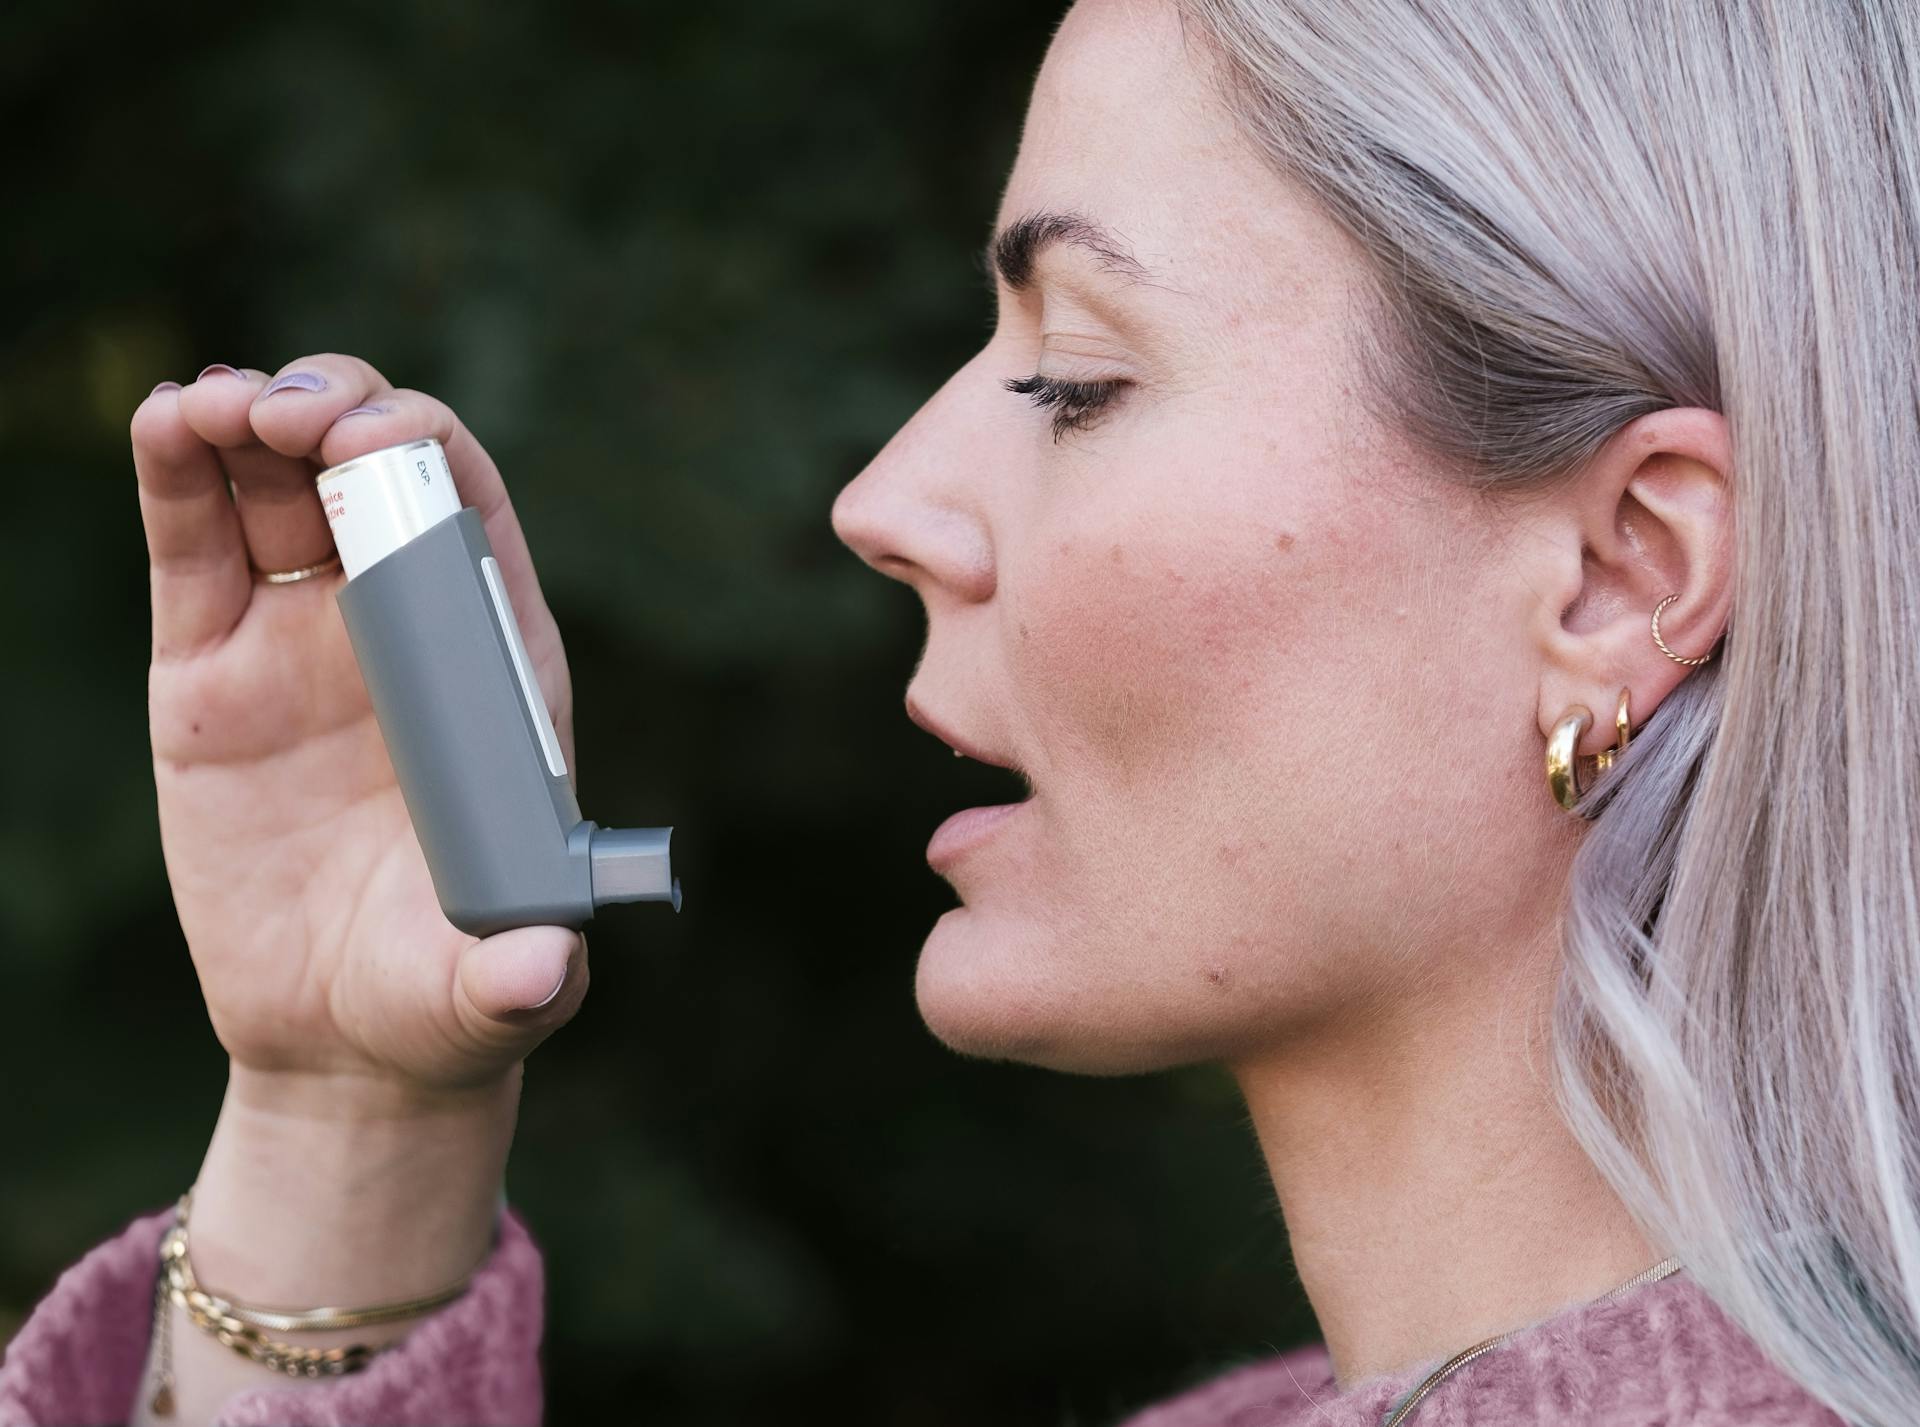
x: 466, y: 726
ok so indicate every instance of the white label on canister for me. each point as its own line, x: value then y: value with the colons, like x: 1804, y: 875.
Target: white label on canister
x: 378, y: 502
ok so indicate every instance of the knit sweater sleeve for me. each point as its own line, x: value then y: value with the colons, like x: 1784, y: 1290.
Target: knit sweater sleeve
x: 80, y: 1355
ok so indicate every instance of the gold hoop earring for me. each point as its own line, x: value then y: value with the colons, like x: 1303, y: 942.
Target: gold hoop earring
x: 1663, y: 643
x: 1563, y: 777
x: 1623, y: 729
x: 1563, y: 757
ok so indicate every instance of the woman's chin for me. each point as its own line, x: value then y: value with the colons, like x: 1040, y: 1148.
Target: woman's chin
x: 978, y: 992
x: 993, y: 987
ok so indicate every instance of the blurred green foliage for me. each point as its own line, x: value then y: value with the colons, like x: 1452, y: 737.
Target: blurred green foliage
x: 683, y: 270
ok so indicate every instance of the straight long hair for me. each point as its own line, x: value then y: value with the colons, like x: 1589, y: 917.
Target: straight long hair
x: 1578, y: 212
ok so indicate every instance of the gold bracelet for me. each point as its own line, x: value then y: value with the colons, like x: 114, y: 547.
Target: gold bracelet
x: 236, y: 1326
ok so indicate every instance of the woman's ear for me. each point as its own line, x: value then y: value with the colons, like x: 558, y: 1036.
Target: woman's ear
x: 1651, y: 515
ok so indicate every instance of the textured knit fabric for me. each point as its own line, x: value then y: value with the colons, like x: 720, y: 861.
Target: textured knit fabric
x: 1661, y: 1355
x: 78, y: 1359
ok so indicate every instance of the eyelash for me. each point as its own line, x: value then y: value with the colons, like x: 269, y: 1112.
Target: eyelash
x: 1074, y: 404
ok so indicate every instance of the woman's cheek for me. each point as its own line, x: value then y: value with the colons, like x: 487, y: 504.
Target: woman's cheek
x: 1143, y: 647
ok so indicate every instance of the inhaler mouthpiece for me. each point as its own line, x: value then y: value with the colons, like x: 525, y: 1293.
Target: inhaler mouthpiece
x: 459, y: 705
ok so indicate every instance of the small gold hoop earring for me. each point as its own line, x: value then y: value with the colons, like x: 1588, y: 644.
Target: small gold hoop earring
x: 1663, y: 643
x: 1623, y: 729
x: 1562, y: 773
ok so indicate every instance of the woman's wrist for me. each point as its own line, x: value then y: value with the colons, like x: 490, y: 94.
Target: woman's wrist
x: 347, y: 1190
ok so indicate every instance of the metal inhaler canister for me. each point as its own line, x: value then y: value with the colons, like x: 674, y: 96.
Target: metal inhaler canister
x: 465, y: 724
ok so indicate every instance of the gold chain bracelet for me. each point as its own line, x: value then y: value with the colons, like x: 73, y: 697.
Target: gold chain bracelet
x: 240, y: 1328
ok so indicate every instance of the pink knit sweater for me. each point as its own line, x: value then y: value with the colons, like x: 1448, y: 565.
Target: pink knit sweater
x: 1661, y: 1355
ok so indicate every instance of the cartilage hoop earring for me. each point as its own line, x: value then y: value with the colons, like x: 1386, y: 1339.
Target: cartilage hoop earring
x: 1663, y: 643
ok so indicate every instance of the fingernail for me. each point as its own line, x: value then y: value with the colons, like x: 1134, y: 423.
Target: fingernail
x: 221, y: 369
x: 296, y: 381
x: 363, y: 411
x: 164, y: 386
x: 548, y: 998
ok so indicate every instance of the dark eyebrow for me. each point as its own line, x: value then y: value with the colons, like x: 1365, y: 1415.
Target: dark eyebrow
x: 1013, y: 251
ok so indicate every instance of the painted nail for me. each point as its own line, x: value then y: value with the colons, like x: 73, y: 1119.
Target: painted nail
x: 296, y: 381
x: 221, y: 369
x: 363, y: 411
x: 164, y: 386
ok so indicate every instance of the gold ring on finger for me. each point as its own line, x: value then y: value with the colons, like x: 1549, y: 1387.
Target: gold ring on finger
x: 305, y: 572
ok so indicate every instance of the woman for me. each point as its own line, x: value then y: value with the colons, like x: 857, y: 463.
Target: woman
x: 1390, y: 407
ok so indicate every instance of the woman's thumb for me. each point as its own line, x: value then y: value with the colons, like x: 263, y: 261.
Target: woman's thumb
x: 519, y: 985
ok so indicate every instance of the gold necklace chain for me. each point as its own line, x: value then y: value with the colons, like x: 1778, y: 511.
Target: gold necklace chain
x: 1460, y: 1359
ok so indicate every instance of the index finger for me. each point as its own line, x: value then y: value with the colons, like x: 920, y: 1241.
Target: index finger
x: 303, y: 411
x: 404, y: 415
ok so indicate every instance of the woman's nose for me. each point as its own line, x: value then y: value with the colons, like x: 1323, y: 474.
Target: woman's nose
x: 915, y: 514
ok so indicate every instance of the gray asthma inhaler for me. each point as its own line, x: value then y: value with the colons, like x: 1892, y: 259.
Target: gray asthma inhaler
x: 465, y: 724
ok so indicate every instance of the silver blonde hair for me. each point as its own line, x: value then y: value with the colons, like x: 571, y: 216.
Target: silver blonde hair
x: 1579, y: 212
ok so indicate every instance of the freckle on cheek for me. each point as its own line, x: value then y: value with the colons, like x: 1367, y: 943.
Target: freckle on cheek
x: 1283, y: 542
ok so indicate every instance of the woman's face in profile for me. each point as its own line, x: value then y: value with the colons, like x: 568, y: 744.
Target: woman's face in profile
x: 1255, y: 657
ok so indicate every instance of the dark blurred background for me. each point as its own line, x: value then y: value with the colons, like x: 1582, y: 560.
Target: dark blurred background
x: 683, y: 270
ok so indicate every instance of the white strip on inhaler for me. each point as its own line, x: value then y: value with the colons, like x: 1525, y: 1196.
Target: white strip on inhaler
x: 466, y: 726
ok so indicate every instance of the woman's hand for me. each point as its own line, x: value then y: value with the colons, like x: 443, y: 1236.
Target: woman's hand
x: 375, y: 1048
x: 305, y: 899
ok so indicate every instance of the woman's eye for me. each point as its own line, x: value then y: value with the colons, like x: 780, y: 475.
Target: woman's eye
x: 1074, y: 404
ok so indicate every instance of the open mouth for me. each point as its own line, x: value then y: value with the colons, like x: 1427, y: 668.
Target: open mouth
x: 1003, y: 778
x: 973, y: 826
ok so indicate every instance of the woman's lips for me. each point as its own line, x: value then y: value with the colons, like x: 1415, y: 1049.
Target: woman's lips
x: 966, y: 830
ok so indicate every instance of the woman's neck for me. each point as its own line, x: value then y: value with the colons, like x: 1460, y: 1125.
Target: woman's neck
x: 1433, y: 1196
